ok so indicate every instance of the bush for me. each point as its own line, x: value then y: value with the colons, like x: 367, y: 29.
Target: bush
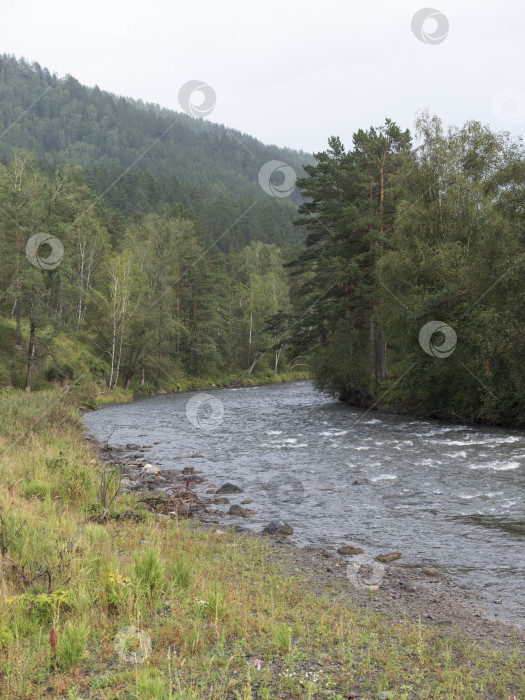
x: 59, y: 373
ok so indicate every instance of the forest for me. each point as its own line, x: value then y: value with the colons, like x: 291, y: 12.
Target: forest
x: 183, y: 266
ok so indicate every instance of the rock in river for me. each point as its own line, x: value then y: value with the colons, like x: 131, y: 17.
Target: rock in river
x: 229, y: 488
x: 350, y: 551
x: 391, y: 556
x: 360, y: 482
x: 436, y: 573
x: 239, y: 510
x: 278, y: 527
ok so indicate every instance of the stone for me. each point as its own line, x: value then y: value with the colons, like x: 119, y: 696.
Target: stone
x: 197, y: 456
x: 188, y: 470
x: 229, y: 488
x: 238, y: 510
x: 246, y: 501
x: 391, y: 556
x: 350, y: 551
x: 360, y: 482
x: 408, y: 586
x: 130, y: 446
x: 161, y: 516
x: 150, y: 469
x: 435, y: 573
x: 221, y: 501
x: 278, y: 527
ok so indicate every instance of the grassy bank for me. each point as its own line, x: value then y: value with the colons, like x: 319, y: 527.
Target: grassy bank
x: 73, y: 360
x: 147, y: 608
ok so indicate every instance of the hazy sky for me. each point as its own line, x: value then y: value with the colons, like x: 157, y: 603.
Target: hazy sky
x: 291, y: 72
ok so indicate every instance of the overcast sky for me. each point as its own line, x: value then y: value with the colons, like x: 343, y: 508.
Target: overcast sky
x: 291, y: 72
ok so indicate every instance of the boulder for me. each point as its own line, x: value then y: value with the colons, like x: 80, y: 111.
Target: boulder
x: 238, y: 510
x: 188, y: 470
x: 278, y: 527
x: 349, y: 551
x: 435, y: 573
x: 385, y: 558
x: 221, y: 501
x: 229, y: 488
x: 360, y: 482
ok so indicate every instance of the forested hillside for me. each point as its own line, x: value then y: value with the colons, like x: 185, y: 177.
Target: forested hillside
x: 175, y: 159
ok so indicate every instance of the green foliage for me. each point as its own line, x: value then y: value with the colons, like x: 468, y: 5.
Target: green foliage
x: 72, y: 644
x: 148, y: 572
x: 150, y: 686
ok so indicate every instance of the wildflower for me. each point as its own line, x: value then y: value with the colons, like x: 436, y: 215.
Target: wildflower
x: 257, y: 663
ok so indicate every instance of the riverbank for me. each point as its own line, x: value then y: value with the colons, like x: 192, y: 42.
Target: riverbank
x: 130, y: 604
x: 416, y: 592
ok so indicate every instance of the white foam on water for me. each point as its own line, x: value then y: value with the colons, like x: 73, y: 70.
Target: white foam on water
x: 384, y: 477
x: 372, y: 422
x: 274, y: 432
x: 290, y: 441
x: 454, y: 455
x: 467, y: 496
x: 362, y: 447
x: 497, y: 466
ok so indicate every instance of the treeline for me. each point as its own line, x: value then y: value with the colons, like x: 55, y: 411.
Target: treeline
x: 158, y: 299
x: 400, y: 237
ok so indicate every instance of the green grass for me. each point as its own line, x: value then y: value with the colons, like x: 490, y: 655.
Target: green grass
x: 207, y: 609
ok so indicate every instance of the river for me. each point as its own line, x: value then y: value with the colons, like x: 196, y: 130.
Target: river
x: 445, y: 495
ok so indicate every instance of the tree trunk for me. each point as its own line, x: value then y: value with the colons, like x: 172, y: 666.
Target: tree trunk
x: 30, y: 357
x: 380, y: 355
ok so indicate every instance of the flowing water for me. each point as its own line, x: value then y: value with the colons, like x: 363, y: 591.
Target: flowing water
x: 445, y: 495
